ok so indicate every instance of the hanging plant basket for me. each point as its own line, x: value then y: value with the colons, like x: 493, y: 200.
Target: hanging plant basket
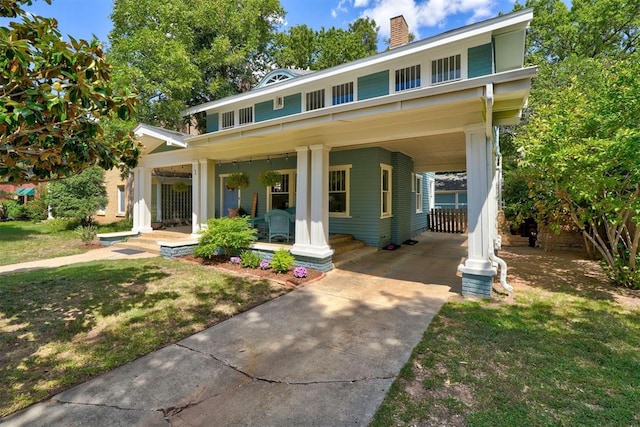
x: 180, y: 187
x: 237, y: 180
x: 269, y: 178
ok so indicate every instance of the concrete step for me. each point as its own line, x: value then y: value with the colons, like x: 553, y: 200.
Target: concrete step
x: 336, y: 239
x: 152, y: 248
x: 347, y: 246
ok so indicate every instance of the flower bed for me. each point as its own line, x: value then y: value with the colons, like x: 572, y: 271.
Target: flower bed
x: 289, y: 278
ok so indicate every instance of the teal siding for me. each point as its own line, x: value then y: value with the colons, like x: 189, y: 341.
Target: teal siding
x: 364, y: 211
x: 373, y: 85
x: 252, y: 169
x: 480, y: 60
x: 292, y: 105
x: 403, y: 199
x: 212, y: 122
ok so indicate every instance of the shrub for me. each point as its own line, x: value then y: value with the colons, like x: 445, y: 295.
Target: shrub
x: 282, y: 261
x: 120, y: 225
x: 15, y: 210
x: 250, y: 259
x: 87, y: 233
x: 228, y: 234
x: 63, y: 224
x: 264, y: 264
x: 235, y: 260
x: 37, y: 210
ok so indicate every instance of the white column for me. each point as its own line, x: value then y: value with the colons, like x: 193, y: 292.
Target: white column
x: 142, y: 200
x: 319, y: 202
x: 159, y: 201
x: 480, y: 172
x: 207, y: 191
x: 302, y: 239
x: 195, y: 197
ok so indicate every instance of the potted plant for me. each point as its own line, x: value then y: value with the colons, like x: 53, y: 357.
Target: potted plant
x: 269, y: 178
x: 180, y: 187
x: 237, y: 180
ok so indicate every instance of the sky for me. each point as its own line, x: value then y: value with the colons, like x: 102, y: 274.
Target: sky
x: 84, y: 18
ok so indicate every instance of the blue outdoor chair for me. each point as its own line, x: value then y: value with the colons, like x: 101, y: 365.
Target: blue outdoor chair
x: 278, y: 222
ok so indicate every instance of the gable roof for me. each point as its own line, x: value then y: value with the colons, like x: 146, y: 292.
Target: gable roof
x: 152, y: 137
x: 280, y: 75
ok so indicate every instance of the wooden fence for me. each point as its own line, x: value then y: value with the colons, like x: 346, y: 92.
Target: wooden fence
x: 448, y: 220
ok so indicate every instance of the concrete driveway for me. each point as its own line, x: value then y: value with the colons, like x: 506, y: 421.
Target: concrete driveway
x: 323, y: 355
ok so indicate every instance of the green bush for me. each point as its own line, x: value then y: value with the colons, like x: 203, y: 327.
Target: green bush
x: 250, y: 259
x: 282, y: 261
x: 87, y: 233
x: 15, y: 210
x: 37, y: 209
x: 228, y: 234
x: 62, y: 224
x: 112, y: 227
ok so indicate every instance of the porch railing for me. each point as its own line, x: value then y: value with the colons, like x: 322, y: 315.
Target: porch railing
x: 448, y: 220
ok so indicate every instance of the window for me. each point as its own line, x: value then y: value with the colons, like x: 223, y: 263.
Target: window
x: 281, y: 195
x: 408, y: 78
x: 228, y: 120
x: 122, y: 201
x: 339, y: 191
x: 445, y: 69
x: 315, y: 100
x: 418, y: 193
x: 342, y: 94
x: 385, y: 190
x: 245, y: 115
x: 276, y: 78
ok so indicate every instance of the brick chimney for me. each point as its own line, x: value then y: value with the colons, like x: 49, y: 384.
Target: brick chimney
x: 399, y: 32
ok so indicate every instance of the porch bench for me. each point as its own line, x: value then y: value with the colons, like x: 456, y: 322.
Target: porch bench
x: 108, y: 239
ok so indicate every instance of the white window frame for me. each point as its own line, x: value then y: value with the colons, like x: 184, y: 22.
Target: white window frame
x: 419, y: 199
x: 403, y: 78
x: 432, y: 193
x: 347, y: 183
x: 292, y: 188
x: 386, y: 195
x: 122, y: 199
x: 346, y: 89
x: 319, y: 96
x: 443, y: 58
x: 224, y: 119
x: 245, y: 114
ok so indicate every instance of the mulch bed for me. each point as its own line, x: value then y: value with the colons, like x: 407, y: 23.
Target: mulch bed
x: 287, y: 279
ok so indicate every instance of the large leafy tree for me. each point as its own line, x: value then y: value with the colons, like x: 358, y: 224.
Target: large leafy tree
x: 579, y: 151
x: 54, y: 96
x: 302, y: 47
x: 80, y: 196
x: 186, y: 52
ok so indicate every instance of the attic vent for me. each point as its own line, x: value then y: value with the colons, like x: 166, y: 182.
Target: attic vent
x: 278, y: 103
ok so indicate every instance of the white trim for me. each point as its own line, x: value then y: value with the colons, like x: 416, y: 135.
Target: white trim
x: 292, y: 188
x: 347, y: 170
x: 171, y: 138
x: 419, y: 192
x: 389, y: 192
x: 121, y: 199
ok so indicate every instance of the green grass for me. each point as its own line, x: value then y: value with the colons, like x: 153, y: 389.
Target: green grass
x: 26, y: 241
x: 554, y: 355
x: 22, y: 241
x: 59, y: 327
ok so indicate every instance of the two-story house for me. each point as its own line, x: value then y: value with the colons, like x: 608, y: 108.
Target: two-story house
x: 352, y: 143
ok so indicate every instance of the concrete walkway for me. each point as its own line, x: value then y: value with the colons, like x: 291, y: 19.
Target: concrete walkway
x: 323, y: 355
x: 106, y: 253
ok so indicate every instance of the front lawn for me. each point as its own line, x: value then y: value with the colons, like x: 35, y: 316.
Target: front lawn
x: 25, y: 241
x: 564, y: 351
x: 60, y: 327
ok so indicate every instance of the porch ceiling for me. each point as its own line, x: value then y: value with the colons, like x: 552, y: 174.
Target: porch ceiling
x: 426, y: 124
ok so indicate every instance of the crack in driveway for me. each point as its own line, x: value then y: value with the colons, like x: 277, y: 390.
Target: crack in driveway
x: 272, y: 381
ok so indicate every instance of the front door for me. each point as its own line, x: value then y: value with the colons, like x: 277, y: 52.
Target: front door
x: 230, y: 198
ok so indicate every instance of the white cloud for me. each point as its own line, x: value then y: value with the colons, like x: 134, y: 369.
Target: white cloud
x: 361, y: 3
x: 424, y: 13
x: 340, y: 8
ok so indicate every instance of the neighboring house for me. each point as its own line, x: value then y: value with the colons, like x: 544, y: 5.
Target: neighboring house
x: 353, y: 143
x: 451, y: 191
x: 20, y: 192
x: 119, y: 194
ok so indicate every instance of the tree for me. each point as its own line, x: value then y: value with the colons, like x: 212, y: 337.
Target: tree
x: 80, y: 196
x: 582, y: 154
x: 187, y: 52
x: 53, y: 97
x: 301, y: 47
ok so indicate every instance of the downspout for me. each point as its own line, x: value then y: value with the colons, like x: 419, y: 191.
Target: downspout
x: 495, y: 137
